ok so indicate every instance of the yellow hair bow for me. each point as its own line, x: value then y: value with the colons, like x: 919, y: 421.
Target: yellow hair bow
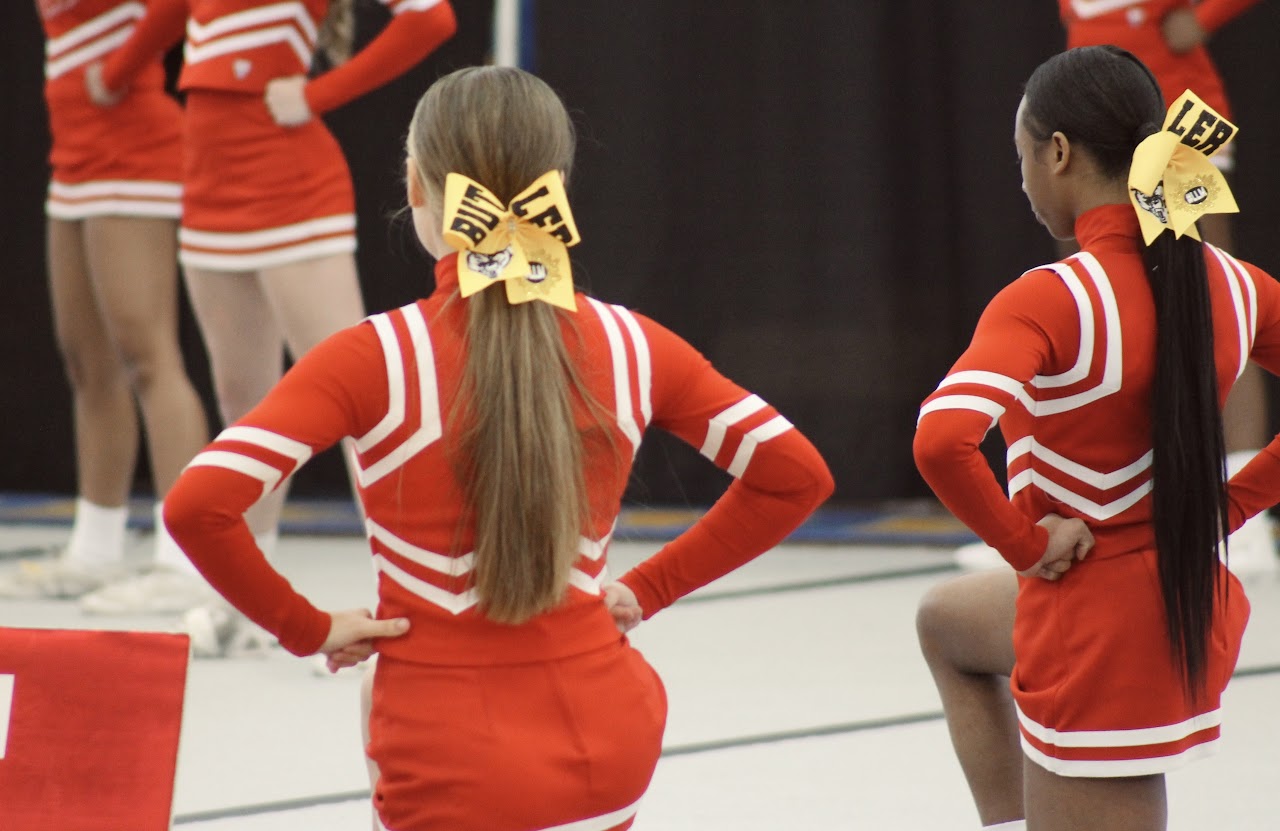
x: 1172, y: 183
x: 524, y: 244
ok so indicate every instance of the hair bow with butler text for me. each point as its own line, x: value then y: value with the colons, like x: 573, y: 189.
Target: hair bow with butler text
x: 523, y: 244
x: 1172, y: 183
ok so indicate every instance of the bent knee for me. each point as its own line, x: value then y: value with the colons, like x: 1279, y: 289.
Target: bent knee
x: 936, y: 620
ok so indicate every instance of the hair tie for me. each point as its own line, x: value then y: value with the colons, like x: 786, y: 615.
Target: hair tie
x: 523, y: 244
x: 1172, y: 183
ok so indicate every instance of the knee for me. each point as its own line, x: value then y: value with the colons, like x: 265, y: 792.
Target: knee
x: 90, y: 369
x: 936, y: 622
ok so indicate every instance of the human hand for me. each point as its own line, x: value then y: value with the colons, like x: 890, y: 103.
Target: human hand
x: 351, y: 636
x: 1069, y: 541
x: 287, y: 101
x: 621, y: 602
x: 96, y: 88
x: 1182, y: 31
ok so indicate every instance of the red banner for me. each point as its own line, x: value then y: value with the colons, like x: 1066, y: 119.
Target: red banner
x: 89, y: 726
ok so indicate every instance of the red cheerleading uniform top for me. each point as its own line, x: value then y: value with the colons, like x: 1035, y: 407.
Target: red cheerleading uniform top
x: 1135, y: 25
x: 1063, y: 358
x: 240, y: 45
x: 79, y: 32
x: 390, y: 383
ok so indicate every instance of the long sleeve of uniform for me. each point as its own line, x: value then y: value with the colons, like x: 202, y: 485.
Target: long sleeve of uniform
x: 1212, y: 15
x: 416, y: 29
x: 308, y: 411
x: 1256, y: 487
x: 163, y: 25
x: 1014, y: 341
x: 779, y: 476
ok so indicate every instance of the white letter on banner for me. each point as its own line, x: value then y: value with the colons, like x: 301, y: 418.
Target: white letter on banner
x: 6, y: 706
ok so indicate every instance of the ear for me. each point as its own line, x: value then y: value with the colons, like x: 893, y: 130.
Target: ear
x: 1059, y: 153
x: 413, y: 183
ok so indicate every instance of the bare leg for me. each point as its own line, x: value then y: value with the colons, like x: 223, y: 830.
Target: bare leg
x: 312, y: 300
x: 965, y: 626
x: 106, y: 424
x: 134, y: 266
x: 246, y: 317
x: 1063, y: 803
x: 246, y: 356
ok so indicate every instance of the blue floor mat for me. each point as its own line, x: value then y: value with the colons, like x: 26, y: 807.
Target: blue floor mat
x: 897, y: 523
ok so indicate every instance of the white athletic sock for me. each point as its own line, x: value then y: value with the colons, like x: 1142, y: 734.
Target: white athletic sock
x: 97, y: 534
x: 1015, y: 825
x: 168, y: 554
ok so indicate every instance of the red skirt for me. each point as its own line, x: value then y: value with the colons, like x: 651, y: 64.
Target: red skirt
x: 257, y: 195
x: 121, y: 161
x: 1096, y: 690
x: 526, y: 747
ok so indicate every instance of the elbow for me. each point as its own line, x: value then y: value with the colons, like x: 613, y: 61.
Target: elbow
x: 824, y: 484
x: 928, y: 450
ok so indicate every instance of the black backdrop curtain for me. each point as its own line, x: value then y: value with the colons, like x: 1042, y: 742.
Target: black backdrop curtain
x: 819, y: 195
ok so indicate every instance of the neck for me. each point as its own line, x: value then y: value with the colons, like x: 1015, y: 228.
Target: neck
x: 1105, y: 193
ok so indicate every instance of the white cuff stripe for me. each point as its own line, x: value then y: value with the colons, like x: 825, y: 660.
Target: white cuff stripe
x: 771, y: 429
x: 719, y: 425
x: 276, y: 443
x: 991, y: 379
x: 254, y: 469
x: 962, y: 402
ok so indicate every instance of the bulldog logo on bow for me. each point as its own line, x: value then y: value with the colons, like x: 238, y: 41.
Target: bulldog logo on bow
x: 1153, y: 204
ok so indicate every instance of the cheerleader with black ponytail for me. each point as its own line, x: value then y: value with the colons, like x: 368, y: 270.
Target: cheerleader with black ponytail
x: 1106, y: 373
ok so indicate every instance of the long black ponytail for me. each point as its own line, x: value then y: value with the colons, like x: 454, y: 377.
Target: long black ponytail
x: 1106, y: 100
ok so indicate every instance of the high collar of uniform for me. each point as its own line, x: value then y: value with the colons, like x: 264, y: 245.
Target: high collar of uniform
x: 447, y: 272
x: 1105, y: 221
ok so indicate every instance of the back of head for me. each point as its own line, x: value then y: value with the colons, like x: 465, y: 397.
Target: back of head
x: 1101, y: 97
x: 519, y: 453
x: 1105, y: 100
x: 499, y: 126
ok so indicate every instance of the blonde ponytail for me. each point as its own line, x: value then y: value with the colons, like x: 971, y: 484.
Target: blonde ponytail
x: 337, y: 34
x: 520, y: 449
x: 524, y: 456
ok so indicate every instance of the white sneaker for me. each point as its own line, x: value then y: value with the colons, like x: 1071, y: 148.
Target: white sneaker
x: 58, y: 578
x: 978, y: 556
x: 160, y: 591
x: 218, y: 630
